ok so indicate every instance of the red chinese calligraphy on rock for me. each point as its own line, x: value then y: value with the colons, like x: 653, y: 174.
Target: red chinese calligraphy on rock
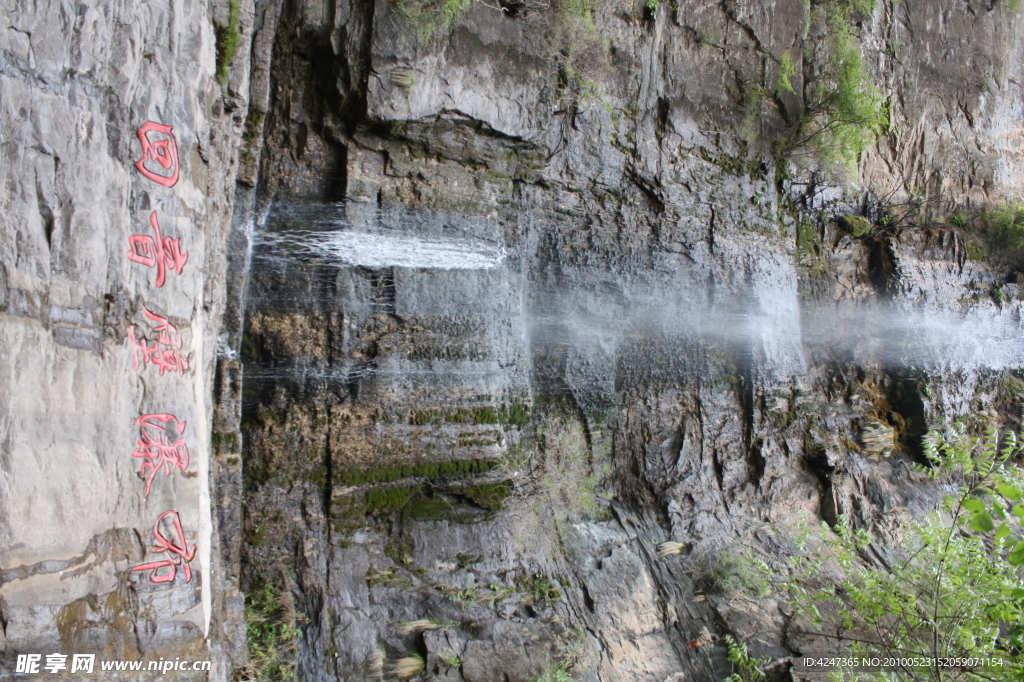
x: 164, y: 353
x: 158, y: 252
x: 164, y: 151
x: 156, y: 449
x: 177, y: 551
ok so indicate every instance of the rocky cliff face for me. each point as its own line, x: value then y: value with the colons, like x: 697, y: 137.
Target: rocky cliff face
x: 499, y: 312
x: 675, y: 325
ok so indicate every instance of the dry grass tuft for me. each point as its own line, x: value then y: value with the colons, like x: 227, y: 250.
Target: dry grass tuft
x: 409, y: 666
x: 375, y: 664
x: 408, y: 627
x: 671, y: 548
x: 879, y: 440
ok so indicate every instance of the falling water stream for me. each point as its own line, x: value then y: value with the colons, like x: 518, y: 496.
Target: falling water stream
x: 418, y: 264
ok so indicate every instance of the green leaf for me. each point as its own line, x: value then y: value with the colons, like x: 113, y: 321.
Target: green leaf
x: 1010, y: 492
x: 1017, y: 555
x: 1002, y: 531
x: 973, y: 505
x: 982, y: 523
x: 1018, y: 511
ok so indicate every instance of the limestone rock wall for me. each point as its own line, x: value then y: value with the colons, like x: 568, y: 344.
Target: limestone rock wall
x: 118, y: 152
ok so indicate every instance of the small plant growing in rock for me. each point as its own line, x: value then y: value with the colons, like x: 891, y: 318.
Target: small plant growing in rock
x: 554, y: 672
x: 450, y: 659
x: 271, y: 634
x: 736, y: 573
x: 539, y: 588
x: 997, y: 295
x: 573, y: 658
x: 745, y: 668
x: 787, y: 69
x: 405, y: 79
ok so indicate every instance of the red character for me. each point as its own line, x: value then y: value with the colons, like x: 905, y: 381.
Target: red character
x: 177, y: 554
x: 166, y: 359
x: 163, y: 151
x: 159, y: 252
x: 155, y: 449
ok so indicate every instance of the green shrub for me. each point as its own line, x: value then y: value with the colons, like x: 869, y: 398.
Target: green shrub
x: 1005, y: 233
x: 271, y: 625
x: 955, y: 589
x: 736, y: 573
x: 843, y: 109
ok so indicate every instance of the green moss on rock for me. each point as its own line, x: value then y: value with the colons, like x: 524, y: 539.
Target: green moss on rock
x: 384, y: 474
x: 856, y: 225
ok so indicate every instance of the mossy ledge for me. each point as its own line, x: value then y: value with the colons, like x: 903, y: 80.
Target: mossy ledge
x: 385, y: 474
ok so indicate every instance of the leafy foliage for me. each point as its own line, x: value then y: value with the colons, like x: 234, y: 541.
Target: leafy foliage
x: 956, y: 590
x: 745, y: 667
x: 272, y: 630
x: 1006, y: 233
x: 843, y: 109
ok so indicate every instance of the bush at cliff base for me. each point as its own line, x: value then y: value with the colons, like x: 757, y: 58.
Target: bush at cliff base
x: 949, y: 604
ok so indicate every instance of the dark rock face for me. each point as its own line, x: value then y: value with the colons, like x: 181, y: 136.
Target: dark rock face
x: 427, y: 443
